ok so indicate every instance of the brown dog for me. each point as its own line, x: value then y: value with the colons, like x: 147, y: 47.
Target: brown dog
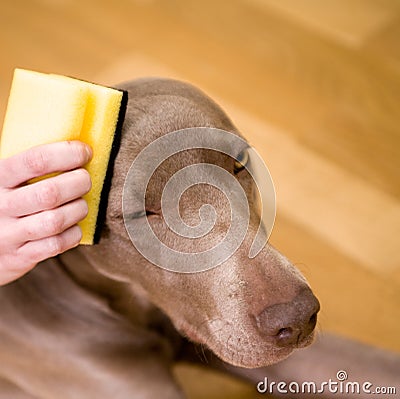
x: 102, y: 320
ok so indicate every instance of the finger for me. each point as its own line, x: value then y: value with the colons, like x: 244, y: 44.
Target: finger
x: 10, y: 273
x: 34, y: 252
x: 49, y: 223
x: 42, y: 160
x: 45, y: 194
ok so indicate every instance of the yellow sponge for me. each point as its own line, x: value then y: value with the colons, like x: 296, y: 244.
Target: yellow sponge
x: 45, y: 108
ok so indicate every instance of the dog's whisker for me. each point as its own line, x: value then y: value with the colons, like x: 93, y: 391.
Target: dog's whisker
x: 204, y: 353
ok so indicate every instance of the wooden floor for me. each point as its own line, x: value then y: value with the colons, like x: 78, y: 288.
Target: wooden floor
x: 314, y: 85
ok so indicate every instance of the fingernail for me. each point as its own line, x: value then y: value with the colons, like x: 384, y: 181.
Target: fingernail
x: 79, y: 233
x: 89, y: 151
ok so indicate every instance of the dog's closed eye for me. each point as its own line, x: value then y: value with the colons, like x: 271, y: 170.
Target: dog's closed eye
x: 241, y: 161
x: 151, y: 213
x: 140, y: 214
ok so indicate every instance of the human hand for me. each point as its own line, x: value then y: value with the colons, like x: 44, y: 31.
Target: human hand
x: 39, y: 220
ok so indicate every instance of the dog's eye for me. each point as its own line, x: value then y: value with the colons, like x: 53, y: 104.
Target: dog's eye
x: 140, y: 214
x: 135, y: 215
x: 151, y: 213
x: 241, y: 161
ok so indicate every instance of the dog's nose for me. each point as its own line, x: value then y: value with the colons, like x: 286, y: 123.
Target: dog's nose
x: 290, y: 323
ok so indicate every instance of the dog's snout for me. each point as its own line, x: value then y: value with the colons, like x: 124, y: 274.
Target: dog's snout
x: 290, y: 323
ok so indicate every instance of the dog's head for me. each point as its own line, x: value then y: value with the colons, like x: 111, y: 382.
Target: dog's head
x: 250, y: 312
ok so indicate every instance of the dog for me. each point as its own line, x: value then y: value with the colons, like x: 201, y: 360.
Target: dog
x: 102, y: 320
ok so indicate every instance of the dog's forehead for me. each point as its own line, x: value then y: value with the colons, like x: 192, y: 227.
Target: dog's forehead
x: 202, y: 148
x: 157, y: 107
x: 160, y: 107
x: 196, y: 156
x: 162, y: 170
x: 192, y: 157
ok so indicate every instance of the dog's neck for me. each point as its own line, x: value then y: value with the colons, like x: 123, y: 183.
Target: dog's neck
x: 126, y: 299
